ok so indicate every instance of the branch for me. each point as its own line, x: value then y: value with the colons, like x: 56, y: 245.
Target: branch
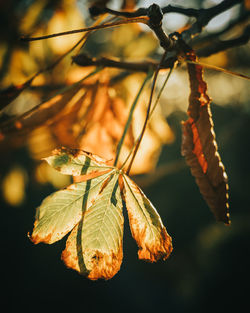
x: 84, y: 60
x: 185, y: 11
x: 221, y: 45
x: 154, y: 15
x: 207, y: 38
x: 204, y: 16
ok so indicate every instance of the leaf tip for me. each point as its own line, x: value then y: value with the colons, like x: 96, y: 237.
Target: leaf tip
x: 105, y: 266
x: 94, y: 264
x: 160, y: 249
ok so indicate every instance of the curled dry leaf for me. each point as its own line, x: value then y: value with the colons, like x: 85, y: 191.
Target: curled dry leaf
x: 93, y: 209
x: 199, y: 146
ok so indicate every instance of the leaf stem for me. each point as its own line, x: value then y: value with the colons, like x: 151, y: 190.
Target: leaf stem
x: 151, y: 112
x: 119, y: 146
x: 162, y: 87
x: 147, y: 114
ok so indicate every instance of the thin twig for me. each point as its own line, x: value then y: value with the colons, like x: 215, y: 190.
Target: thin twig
x: 147, y: 114
x: 150, y: 114
x: 119, y: 146
x: 87, y: 29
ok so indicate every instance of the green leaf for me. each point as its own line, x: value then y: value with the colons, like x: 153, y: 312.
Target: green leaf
x: 62, y: 210
x: 94, y: 247
x: 76, y: 162
x: 145, y: 224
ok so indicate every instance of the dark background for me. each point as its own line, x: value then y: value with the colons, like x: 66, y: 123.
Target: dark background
x: 208, y: 270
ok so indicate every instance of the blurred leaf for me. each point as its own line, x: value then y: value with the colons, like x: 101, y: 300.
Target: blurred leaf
x: 91, y: 115
x: 199, y: 146
x: 247, y: 4
x: 11, y: 93
x: 69, y: 17
x: 32, y: 15
x: 95, y: 122
x: 13, y: 186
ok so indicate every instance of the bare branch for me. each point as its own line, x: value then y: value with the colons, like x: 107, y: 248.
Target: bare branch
x: 84, y: 60
x: 221, y: 45
x: 207, y: 38
x: 204, y: 16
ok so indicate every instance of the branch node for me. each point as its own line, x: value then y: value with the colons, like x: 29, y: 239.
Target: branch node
x: 155, y: 15
x: 95, y: 10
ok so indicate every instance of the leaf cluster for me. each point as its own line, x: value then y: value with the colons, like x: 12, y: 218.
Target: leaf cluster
x: 92, y: 209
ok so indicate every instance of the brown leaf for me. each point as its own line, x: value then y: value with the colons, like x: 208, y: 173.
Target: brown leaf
x: 199, y: 146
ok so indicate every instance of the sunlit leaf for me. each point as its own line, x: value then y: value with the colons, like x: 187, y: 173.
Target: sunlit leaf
x: 94, y: 248
x: 199, y: 146
x: 145, y: 224
x: 62, y: 210
x: 93, y: 209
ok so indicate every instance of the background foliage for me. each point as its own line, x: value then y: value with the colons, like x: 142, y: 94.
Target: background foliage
x: 208, y: 269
